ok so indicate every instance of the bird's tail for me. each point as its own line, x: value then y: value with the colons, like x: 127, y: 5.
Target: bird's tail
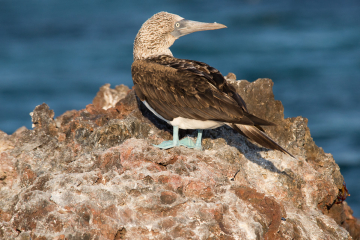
x: 255, y: 134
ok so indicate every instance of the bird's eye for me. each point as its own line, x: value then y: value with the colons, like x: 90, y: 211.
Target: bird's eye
x: 177, y: 25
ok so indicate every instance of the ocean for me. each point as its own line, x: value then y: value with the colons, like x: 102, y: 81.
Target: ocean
x: 60, y: 52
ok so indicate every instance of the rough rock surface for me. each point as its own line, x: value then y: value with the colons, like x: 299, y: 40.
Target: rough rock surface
x: 94, y: 174
x: 107, y: 98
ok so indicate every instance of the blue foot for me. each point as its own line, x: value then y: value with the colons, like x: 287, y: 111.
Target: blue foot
x: 171, y: 143
x: 166, y: 144
x: 187, y: 142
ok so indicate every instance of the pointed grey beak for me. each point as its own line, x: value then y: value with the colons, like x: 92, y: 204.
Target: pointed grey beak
x: 184, y: 27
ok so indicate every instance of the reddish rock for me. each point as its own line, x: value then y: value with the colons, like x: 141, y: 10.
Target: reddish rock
x: 197, y: 189
x: 94, y: 174
x: 168, y: 197
x: 272, y: 211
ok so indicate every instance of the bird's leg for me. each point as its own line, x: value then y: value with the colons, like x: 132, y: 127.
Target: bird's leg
x: 171, y: 143
x: 199, y: 139
x: 186, y: 142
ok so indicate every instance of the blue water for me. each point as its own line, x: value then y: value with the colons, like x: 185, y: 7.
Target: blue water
x: 60, y: 52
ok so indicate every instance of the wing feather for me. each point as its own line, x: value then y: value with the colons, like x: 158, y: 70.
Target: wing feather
x: 189, y: 89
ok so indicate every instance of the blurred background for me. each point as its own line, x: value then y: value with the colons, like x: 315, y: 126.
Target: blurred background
x: 61, y: 51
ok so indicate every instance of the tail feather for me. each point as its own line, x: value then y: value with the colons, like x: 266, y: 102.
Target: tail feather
x: 259, y: 121
x: 255, y: 134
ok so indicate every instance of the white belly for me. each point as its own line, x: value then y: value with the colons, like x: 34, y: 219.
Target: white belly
x: 185, y: 123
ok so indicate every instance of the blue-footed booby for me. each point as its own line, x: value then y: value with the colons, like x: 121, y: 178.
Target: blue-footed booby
x: 184, y: 93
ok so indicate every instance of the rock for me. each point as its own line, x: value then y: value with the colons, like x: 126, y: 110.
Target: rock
x: 107, y: 98
x: 231, y: 77
x: 5, y: 144
x: 94, y: 174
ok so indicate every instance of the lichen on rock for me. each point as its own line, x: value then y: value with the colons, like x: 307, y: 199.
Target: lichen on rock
x: 94, y: 174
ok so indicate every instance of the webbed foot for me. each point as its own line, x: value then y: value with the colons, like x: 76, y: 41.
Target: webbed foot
x: 187, y: 142
x: 167, y: 144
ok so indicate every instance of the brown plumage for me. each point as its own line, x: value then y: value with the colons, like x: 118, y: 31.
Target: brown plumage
x: 187, y: 93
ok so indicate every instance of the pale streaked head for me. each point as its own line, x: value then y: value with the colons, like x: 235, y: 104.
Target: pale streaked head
x: 160, y: 31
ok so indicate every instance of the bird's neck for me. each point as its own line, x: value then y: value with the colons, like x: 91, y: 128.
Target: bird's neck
x: 147, y: 46
x: 143, y: 53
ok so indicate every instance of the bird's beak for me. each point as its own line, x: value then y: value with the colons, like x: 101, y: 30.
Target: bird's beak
x: 184, y: 27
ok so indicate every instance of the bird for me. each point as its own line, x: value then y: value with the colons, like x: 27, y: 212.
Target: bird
x: 188, y: 94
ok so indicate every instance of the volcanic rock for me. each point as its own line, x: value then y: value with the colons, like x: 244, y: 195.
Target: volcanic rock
x: 95, y: 174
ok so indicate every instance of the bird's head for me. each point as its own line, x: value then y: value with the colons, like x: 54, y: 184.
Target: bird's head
x: 160, y: 31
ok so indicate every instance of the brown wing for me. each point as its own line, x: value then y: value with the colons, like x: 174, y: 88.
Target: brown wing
x: 183, y: 88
